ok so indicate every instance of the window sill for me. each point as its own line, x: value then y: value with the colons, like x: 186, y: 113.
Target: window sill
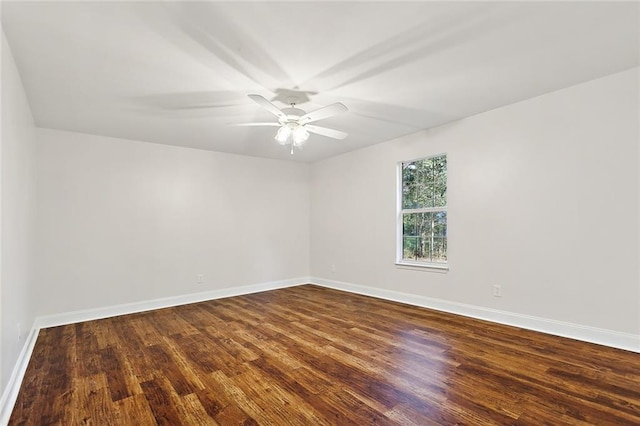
x: 432, y: 267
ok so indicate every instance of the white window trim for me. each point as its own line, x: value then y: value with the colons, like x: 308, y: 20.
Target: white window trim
x: 408, y: 264
x: 419, y: 266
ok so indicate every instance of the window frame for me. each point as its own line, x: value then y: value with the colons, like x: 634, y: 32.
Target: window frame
x: 400, y: 212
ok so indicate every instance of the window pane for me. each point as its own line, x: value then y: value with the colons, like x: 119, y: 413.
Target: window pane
x: 439, y: 250
x: 440, y: 224
x: 411, y: 247
x: 409, y: 188
x: 424, y: 183
x: 425, y: 237
x: 440, y: 189
x: 409, y: 224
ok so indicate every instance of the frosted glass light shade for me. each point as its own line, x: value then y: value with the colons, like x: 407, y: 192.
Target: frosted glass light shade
x: 300, y: 135
x: 283, y: 135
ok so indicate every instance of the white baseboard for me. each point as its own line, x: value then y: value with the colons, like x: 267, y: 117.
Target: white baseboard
x: 584, y: 333
x: 10, y: 393
x: 165, y: 302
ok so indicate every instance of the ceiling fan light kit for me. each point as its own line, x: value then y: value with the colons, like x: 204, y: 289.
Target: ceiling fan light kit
x: 299, y: 136
x: 291, y: 127
x: 293, y: 122
x: 283, y: 135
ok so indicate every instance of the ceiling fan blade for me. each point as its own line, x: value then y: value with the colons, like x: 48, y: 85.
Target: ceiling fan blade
x: 264, y: 103
x: 255, y: 124
x: 331, y: 133
x: 326, y: 112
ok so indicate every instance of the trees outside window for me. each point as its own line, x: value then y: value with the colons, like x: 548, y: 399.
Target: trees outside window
x: 422, y: 219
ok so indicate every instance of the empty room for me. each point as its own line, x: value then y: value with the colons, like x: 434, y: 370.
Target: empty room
x: 320, y: 213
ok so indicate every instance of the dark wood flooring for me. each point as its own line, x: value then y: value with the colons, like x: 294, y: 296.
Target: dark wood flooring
x: 313, y: 356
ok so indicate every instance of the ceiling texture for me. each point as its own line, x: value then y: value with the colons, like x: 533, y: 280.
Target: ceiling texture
x: 179, y: 73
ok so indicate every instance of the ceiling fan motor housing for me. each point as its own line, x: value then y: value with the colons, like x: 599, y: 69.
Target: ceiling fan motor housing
x: 291, y: 114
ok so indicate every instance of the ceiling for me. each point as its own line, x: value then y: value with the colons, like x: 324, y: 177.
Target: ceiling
x: 178, y: 73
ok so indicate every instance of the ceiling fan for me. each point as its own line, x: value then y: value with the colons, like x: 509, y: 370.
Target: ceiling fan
x: 295, y: 124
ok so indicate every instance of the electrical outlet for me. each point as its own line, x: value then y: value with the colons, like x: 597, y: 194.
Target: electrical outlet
x: 200, y: 279
x: 497, y: 291
x: 19, y: 331
x: 333, y: 268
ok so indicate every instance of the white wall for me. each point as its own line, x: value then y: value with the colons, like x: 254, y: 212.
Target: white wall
x: 121, y: 221
x: 532, y: 187
x: 17, y: 190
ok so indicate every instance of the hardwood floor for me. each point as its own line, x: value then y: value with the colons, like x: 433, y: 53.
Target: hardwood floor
x: 311, y: 356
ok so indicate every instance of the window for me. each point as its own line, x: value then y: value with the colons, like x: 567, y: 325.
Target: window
x: 422, y: 217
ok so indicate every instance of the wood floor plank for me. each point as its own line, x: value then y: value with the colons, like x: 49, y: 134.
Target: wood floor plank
x: 89, y: 358
x: 114, y: 368
x: 167, y: 363
x: 159, y: 395
x: 309, y: 355
x: 234, y: 415
x: 93, y: 403
x: 275, y: 401
x: 134, y: 410
x: 232, y: 392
